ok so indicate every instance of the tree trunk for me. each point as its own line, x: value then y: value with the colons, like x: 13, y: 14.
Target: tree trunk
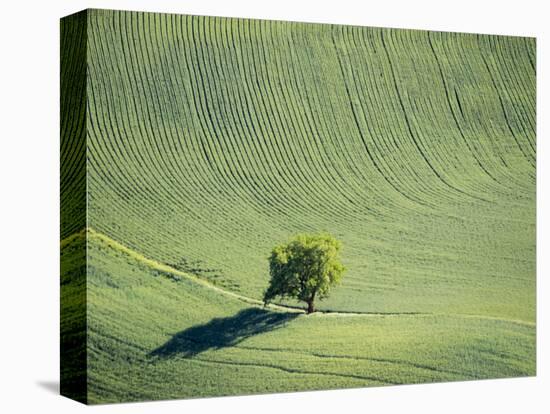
x: 310, y: 306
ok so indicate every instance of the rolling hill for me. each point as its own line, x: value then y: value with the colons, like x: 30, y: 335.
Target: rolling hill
x: 192, y: 145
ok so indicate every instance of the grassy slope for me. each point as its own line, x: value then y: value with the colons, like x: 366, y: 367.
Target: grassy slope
x: 156, y: 335
x: 210, y: 140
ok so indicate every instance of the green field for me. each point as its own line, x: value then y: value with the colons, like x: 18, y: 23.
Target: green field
x: 192, y: 145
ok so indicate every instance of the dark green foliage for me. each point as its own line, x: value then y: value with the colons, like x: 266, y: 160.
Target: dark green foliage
x: 305, y: 268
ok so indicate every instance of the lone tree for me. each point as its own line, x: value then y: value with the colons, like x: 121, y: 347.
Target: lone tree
x: 305, y: 268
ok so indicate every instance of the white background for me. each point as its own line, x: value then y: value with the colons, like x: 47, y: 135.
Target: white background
x: 29, y: 205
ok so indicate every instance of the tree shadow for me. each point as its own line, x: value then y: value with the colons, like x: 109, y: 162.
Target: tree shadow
x: 222, y: 332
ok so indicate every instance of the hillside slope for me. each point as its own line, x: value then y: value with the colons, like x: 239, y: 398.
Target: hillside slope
x: 192, y: 145
x: 156, y: 335
x: 211, y: 140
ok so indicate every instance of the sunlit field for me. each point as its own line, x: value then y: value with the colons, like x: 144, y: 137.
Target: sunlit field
x: 203, y: 142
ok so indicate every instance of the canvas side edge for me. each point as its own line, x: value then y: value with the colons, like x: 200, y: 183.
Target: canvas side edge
x: 73, y: 260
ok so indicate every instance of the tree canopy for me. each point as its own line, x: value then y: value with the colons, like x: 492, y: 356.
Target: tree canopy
x: 305, y: 268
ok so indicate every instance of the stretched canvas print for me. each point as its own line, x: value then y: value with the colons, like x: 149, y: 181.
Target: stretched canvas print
x: 254, y: 206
